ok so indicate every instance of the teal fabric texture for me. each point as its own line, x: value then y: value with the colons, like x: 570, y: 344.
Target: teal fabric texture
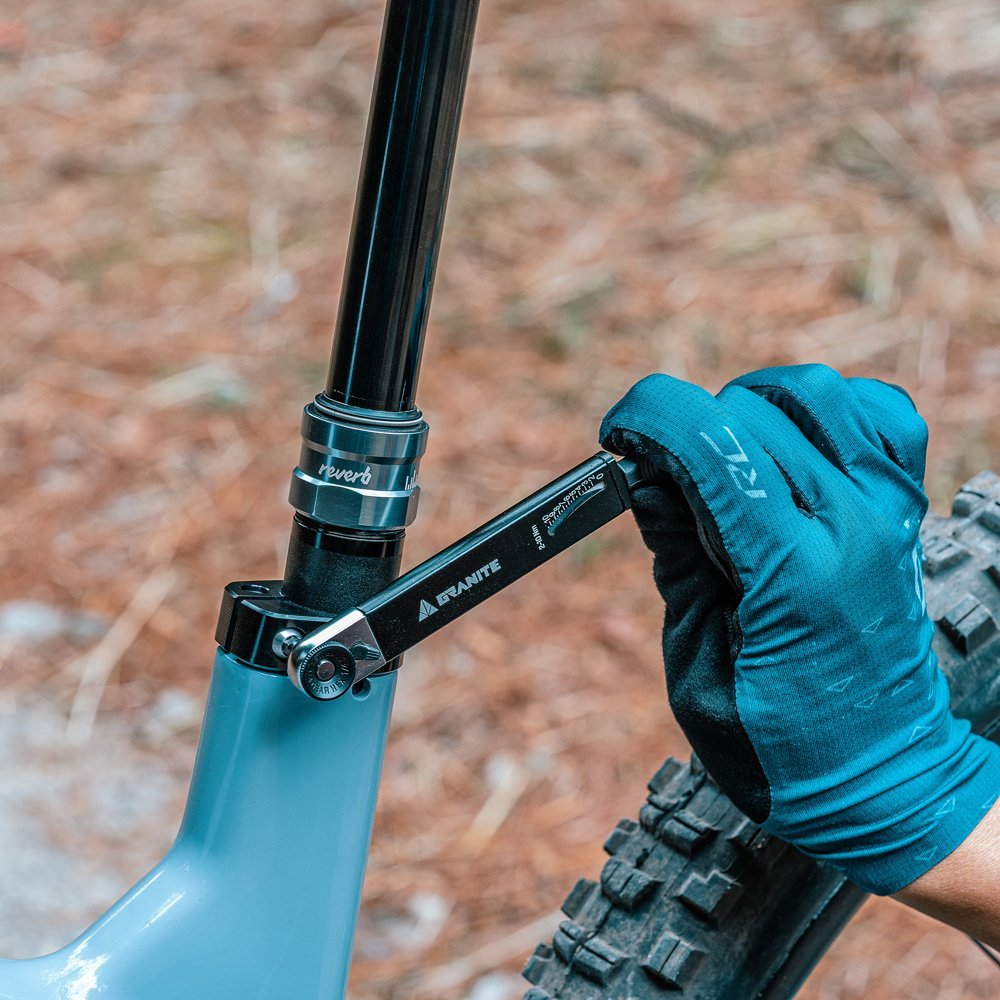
x: 784, y: 520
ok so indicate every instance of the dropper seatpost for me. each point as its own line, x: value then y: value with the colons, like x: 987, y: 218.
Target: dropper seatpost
x: 355, y: 490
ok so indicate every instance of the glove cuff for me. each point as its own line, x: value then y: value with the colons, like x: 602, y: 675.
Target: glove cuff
x: 956, y: 797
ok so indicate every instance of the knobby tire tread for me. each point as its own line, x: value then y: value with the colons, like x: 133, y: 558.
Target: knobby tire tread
x: 695, y: 900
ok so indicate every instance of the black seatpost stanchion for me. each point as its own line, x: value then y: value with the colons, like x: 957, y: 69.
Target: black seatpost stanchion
x: 355, y: 488
x: 399, y: 213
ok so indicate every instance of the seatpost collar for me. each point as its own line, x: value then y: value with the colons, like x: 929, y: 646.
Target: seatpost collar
x: 358, y: 468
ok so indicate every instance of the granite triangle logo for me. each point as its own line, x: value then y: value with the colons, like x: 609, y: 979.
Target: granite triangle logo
x: 426, y: 610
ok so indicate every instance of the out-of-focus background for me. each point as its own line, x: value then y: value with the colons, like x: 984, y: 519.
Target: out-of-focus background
x: 700, y: 189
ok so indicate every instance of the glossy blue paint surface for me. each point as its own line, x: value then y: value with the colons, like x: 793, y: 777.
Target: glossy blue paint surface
x: 258, y: 897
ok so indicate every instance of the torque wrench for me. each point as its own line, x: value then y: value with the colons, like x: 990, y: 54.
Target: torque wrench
x: 330, y: 659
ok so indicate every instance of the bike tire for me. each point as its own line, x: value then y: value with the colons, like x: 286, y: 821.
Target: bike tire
x: 696, y: 901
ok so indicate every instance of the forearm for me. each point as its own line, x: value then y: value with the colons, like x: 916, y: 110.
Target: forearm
x: 961, y: 890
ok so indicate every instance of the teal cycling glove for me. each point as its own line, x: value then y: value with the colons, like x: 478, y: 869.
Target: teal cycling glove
x: 796, y: 639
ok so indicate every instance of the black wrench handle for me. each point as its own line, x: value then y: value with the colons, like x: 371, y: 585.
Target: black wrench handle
x: 496, y: 554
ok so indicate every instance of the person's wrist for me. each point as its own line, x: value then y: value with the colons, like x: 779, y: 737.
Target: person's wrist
x: 961, y: 888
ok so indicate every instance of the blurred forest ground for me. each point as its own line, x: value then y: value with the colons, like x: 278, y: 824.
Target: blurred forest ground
x: 674, y: 186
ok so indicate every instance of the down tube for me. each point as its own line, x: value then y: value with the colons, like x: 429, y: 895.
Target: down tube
x: 258, y: 897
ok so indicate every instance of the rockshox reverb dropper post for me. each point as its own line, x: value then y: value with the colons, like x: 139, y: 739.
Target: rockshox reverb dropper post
x: 355, y: 489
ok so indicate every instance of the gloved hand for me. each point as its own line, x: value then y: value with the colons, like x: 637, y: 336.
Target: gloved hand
x: 796, y: 639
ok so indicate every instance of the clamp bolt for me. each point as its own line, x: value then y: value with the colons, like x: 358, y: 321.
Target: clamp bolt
x: 285, y: 641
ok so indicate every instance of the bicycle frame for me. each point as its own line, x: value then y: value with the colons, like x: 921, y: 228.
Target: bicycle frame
x: 259, y: 894
x: 258, y: 897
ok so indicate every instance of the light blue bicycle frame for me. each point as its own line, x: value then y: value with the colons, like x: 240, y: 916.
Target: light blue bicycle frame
x: 258, y: 897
